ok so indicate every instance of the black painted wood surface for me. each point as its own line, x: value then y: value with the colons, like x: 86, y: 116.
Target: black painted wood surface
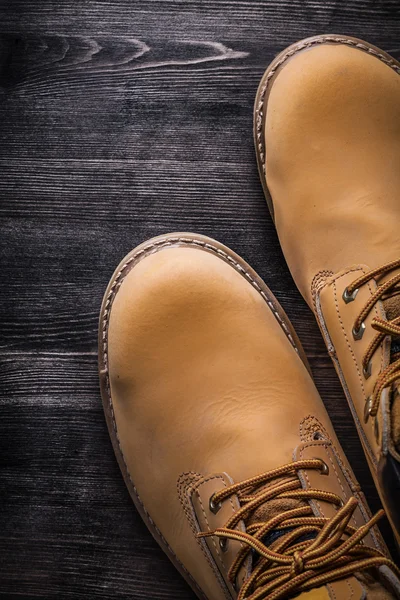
x: 121, y: 120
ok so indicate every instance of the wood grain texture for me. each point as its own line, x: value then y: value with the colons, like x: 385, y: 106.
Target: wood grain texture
x: 120, y: 120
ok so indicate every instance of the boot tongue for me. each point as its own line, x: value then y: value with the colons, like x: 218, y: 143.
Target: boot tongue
x: 272, y: 508
x: 395, y: 412
x: 392, y: 310
x: 392, y: 305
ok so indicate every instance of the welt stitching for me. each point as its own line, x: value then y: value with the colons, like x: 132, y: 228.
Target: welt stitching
x: 347, y: 339
x: 305, y: 46
x: 383, y: 341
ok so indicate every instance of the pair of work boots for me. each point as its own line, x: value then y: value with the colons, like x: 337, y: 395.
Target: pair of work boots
x: 222, y: 438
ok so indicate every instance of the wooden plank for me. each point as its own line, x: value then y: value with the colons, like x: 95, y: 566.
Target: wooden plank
x: 119, y: 121
x: 68, y: 526
x: 52, y: 303
x: 207, y: 19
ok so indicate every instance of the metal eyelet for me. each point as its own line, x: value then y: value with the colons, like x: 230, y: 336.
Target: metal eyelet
x: 324, y: 468
x: 367, y: 371
x: 317, y: 435
x: 367, y: 409
x: 214, y: 507
x: 349, y: 297
x: 341, y: 504
x: 358, y: 333
x: 223, y: 544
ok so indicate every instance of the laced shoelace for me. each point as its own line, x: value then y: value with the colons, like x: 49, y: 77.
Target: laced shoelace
x: 384, y: 328
x: 294, y: 562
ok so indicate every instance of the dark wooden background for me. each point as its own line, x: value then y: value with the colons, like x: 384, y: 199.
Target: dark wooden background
x: 121, y: 120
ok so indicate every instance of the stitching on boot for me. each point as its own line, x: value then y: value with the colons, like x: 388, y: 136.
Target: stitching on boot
x: 332, y: 592
x: 184, y: 484
x: 319, y: 280
x: 119, y: 277
x: 305, y: 46
x: 309, y: 426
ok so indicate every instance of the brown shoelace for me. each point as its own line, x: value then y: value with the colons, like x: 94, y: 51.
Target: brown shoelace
x: 293, y: 563
x: 385, y: 328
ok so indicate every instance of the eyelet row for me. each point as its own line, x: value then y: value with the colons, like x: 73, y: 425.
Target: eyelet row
x: 347, y: 297
x: 214, y: 508
x: 357, y: 333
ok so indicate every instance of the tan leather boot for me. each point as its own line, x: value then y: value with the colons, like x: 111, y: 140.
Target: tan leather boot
x: 223, y: 441
x: 327, y: 134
